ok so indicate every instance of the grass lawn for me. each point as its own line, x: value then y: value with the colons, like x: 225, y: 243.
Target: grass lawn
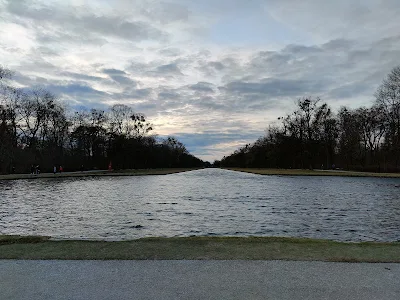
x: 135, y: 172
x: 214, y: 248
x: 299, y: 172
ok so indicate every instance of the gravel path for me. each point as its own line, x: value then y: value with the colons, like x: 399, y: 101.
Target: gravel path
x: 185, y: 279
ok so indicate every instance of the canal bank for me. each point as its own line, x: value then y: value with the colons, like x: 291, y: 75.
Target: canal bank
x: 316, y: 172
x: 199, y: 248
x: 97, y: 173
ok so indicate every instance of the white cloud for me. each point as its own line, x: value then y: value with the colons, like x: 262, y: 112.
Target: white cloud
x: 195, y: 67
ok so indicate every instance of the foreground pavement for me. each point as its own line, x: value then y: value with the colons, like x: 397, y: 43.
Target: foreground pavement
x: 185, y: 279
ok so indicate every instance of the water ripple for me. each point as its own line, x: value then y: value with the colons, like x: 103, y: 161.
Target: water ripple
x: 204, y: 202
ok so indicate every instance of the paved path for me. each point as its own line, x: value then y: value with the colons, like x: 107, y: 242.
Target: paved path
x: 196, y: 280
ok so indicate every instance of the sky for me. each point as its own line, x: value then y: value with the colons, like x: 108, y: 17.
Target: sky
x: 213, y: 73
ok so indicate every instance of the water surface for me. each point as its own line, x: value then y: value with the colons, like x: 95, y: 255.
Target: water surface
x: 203, y: 202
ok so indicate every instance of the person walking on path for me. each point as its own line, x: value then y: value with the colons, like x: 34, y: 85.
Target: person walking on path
x: 54, y: 169
x: 61, y: 169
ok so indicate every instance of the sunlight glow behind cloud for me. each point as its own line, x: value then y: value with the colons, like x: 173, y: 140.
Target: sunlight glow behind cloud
x: 213, y: 73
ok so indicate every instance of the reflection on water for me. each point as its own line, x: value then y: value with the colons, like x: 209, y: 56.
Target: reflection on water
x: 203, y: 202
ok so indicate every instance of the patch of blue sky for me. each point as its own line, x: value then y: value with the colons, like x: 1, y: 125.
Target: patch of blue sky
x: 256, y: 30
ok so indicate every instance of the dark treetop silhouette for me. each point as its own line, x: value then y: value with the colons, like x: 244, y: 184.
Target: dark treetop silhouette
x: 35, y: 128
x: 367, y: 138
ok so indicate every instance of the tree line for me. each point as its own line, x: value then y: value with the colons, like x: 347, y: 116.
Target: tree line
x: 37, y: 129
x: 313, y: 136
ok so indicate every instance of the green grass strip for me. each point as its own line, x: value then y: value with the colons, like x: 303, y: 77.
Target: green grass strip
x: 210, y: 248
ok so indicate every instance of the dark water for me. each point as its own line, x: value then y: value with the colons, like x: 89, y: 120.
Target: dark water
x: 203, y: 202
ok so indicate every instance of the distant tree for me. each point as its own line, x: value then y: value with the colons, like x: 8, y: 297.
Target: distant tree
x: 141, y: 126
x: 34, y: 110
x: 349, y: 138
x: 120, y: 119
x: 36, y: 128
x: 4, y: 75
x: 310, y: 128
x: 216, y: 164
x: 372, y: 128
x: 172, y: 143
x: 388, y: 100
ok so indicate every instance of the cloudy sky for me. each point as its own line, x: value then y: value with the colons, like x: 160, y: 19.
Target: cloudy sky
x: 214, y: 73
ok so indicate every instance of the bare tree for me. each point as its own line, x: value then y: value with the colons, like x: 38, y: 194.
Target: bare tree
x: 34, y: 109
x: 4, y: 74
x: 120, y: 119
x: 388, y: 100
x: 124, y: 121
